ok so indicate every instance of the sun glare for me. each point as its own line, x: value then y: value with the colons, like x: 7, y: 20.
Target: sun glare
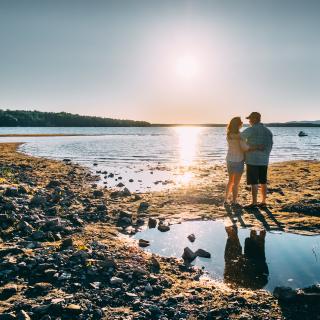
x: 188, y: 143
x: 187, y: 67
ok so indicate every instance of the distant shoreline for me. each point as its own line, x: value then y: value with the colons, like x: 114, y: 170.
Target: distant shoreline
x: 23, y: 119
x: 214, y: 125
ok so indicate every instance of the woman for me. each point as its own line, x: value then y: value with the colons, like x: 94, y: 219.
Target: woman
x: 235, y: 158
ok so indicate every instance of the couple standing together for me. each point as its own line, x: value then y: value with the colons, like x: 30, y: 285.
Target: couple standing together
x: 251, y: 147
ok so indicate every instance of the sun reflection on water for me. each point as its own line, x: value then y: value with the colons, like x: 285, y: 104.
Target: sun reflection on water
x: 188, y: 138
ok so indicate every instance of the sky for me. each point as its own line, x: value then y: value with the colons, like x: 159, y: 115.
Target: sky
x: 168, y: 61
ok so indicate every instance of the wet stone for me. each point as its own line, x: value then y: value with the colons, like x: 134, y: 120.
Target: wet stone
x: 191, y: 237
x: 8, y: 292
x: 73, y: 309
x: 115, y: 281
x: 143, y: 243
x: 163, y: 227
x: 152, y: 222
x: 188, y: 254
x: 143, y: 206
x: 22, y: 315
x: 202, y: 253
x: 11, y: 192
x: 97, y: 193
x: 66, y: 243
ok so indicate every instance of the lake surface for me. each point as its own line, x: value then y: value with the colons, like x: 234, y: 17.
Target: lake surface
x: 153, y: 157
x: 278, y: 259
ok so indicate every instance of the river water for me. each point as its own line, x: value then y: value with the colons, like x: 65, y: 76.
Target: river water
x: 150, y: 156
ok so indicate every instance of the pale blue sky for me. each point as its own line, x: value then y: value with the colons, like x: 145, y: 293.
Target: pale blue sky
x: 131, y: 59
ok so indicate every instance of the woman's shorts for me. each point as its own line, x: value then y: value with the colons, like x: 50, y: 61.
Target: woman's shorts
x: 235, y: 167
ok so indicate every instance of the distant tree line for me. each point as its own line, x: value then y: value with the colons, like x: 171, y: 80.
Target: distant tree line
x: 21, y: 118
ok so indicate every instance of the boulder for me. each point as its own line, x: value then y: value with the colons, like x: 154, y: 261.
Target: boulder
x: 191, y: 237
x: 202, y: 253
x: 38, y: 200
x: 115, y: 281
x: 66, y: 243
x: 143, y: 206
x: 22, y: 189
x: 73, y: 309
x: 98, y: 193
x: 22, y: 315
x: 144, y: 243
x: 11, y: 192
x: 284, y: 293
x: 38, y: 235
x: 188, y: 255
x: 152, y: 222
x: 125, y: 192
x: 8, y: 292
x: 155, y: 264
x: 53, y: 184
x: 163, y: 227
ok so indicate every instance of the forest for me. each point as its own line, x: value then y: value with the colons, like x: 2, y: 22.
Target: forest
x: 22, y: 118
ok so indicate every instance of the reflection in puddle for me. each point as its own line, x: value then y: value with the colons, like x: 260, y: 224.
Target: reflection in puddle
x: 243, y: 257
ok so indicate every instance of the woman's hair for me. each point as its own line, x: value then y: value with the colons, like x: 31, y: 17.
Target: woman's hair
x: 234, y: 126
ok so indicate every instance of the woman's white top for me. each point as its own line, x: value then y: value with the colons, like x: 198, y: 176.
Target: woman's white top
x: 236, y: 149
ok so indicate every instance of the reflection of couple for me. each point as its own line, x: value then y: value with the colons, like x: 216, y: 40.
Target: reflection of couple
x: 253, y: 147
x: 250, y: 269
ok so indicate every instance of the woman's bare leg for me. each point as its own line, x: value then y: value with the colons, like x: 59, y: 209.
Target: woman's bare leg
x: 235, y: 188
x: 229, y: 187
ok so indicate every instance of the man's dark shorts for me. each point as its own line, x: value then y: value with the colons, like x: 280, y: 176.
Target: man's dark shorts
x: 256, y: 174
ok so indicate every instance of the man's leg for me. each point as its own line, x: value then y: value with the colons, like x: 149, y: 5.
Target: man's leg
x: 263, y: 171
x: 253, y: 180
x: 254, y: 191
x: 264, y: 193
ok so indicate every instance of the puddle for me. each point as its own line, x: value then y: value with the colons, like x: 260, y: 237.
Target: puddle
x: 256, y: 261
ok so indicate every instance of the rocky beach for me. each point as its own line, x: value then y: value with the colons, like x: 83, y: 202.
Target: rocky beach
x: 66, y: 252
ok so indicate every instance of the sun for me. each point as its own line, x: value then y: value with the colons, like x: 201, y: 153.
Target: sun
x: 187, y: 67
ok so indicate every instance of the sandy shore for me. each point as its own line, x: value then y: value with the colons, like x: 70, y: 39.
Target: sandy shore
x: 61, y: 254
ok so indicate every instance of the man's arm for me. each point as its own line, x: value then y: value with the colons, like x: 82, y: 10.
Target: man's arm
x: 269, y: 142
x: 245, y: 134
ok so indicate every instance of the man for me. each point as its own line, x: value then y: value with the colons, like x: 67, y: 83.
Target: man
x: 257, y: 161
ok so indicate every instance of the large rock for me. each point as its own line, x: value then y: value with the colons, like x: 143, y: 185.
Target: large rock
x: 53, y: 184
x: 39, y: 289
x: 38, y: 200
x: 144, y: 243
x: 22, y: 315
x: 191, y: 237
x: 116, y: 281
x: 73, y: 309
x: 143, y: 206
x: 284, y: 293
x: 66, y: 243
x: 97, y: 193
x: 154, y: 263
x: 188, y: 255
x: 11, y: 192
x: 163, y: 227
x: 8, y: 292
x: 202, y: 253
x: 152, y: 222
